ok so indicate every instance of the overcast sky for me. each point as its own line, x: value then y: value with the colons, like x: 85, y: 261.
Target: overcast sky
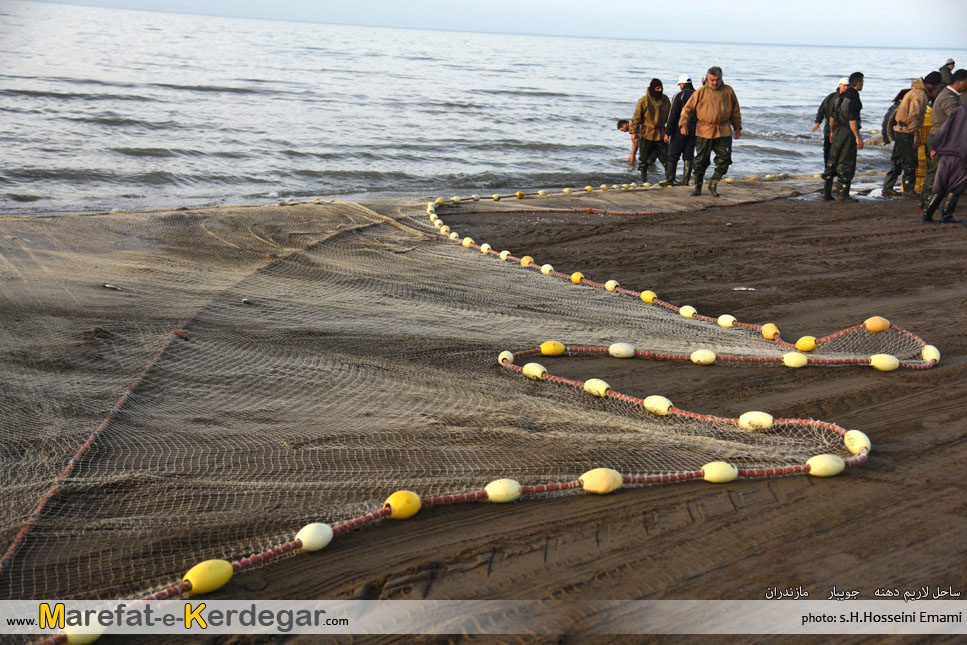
x: 872, y: 23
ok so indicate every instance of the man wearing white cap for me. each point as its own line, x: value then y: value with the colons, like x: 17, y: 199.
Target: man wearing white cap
x: 824, y: 112
x: 680, y: 145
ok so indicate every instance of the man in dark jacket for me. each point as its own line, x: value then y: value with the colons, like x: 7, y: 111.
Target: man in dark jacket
x: 844, y: 126
x: 824, y: 112
x: 946, y: 72
x: 680, y: 145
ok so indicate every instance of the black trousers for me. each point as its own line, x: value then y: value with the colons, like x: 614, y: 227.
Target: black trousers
x: 681, y: 146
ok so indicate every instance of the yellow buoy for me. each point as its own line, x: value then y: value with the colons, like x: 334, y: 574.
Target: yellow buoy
x: 467, y: 241
x: 315, y: 536
x: 703, y: 357
x: 729, y: 180
x: 526, y: 261
x: 534, y: 371
x: 576, y: 277
x: 437, y: 223
x: 504, y: 255
x: 567, y: 191
x: 688, y: 311
x: 505, y: 357
x: 91, y: 633
x: 542, y: 193
x: 806, y: 344
x: 495, y: 197
x: 755, y: 420
x: 485, y: 248
x: 794, y: 359
x: 208, y: 576
x: 770, y: 331
x: 596, y: 386
x: 546, y: 269
x: 475, y: 197
x: 403, y: 504
x: 825, y: 465
x: 604, y: 187
x: 552, y: 348
x: 648, y: 296
x: 440, y: 201
x: 614, y: 186
x: 519, y: 194
x: 876, y: 324
x: 930, y: 353
x: 444, y: 230
x: 632, y: 185
x: 622, y: 350
x: 856, y: 441
x: 657, y: 404
x: 726, y: 320
x: 588, y: 189
x: 884, y: 362
x: 501, y: 491
x: 454, y: 235
x: 601, y: 481
x: 719, y: 472
x: 455, y: 199
x: 611, y: 285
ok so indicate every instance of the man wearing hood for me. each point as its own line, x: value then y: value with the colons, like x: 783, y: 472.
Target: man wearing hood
x: 680, y: 145
x: 950, y: 148
x: 649, y: 122
x: 717, y: 109
x: 906, y: 133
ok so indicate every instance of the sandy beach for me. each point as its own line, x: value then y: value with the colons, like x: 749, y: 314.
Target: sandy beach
x: 764, y: 252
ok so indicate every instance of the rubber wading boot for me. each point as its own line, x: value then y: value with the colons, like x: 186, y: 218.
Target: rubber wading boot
x: 889, y: 192
x: 843, y: 195
x: 889, y: 183
x: 931, y: 208
x: 644, y: 175
x: 686, y: 173
x: 950, y: 204
x: 909, y: 188
x: 713, y: 188
x: 698, y: 186
x: 669, y: 179
x: 828, y: 190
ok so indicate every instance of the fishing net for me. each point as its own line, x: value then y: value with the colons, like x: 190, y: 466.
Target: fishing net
x: 184, y: 385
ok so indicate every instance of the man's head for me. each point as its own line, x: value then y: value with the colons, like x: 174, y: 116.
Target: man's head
x: 655, y: 88
x: 930, y: 83
x: 623, y: 125
x: 949, y: 64
x: 684, y: 80
x: 856, y: 81
x: 843, y: 84
x: 959, y: 80
x: 714, y: 77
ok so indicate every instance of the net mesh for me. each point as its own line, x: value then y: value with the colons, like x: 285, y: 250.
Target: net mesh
x: 178, y: 386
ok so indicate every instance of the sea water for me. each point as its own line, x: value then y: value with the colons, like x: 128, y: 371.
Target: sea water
x: 105, y: 109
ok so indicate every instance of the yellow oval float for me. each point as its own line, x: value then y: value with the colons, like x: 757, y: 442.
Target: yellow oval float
x: 526, y: 261
x: 576, y: 277
x: 501, y: 491
x: 534, y: 371
x: 825, y: 465
x: 552, y: 348
x: 444, y: 230
x: 611, y: 285
x: 719, y: 472
x: 884, y: 362
x: 648, y: 296
x: 403, y: 504
x: 208, y: 576
x: 91, y: 633
x: 588, y: 189
x: 770, y: 331
x: 455, y: 199
x: 567, y: 191
x: 454, y: 235
x: 601, y: 481
x: 657, y: 404
x: 794, y: 359
x: 519, y: 195
x: 930, y: 353
x: 756, y: 420
x: 726, y: 320
x: 315, y: 536
x: 856, y: 441
x: 505, y: 356
x: 467, y: 241
x: 485, y: 248
x: 495, y: 197
x: 504, y: 255
x: 440, y: 201
x: 546, y: 269
x: 688, y: 311
x: 622, y: 350
x: 806, y: 344
x: 703, y: 357
x: 876, y: 324
x: 596, y: 386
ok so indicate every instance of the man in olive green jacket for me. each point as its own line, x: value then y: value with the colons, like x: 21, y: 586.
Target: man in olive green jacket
x: 717, y: 109
x: 649, y: 122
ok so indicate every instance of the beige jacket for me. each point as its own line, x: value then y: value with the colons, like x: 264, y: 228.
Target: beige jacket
x: 716, y: 111
x: 650, y: 116
x: 913, y: 107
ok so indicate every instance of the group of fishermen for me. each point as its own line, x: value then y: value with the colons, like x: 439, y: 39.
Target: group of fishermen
x: 697, y: 123
x: 693, y: 126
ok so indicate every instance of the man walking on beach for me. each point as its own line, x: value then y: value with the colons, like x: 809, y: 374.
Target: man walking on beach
x: 947, y: 100
x: 717, y: 110
x: 906, y: 140
x: 680, y: 145
x: 824, y: 112
x: 844, y: 135
x: 649, y: 122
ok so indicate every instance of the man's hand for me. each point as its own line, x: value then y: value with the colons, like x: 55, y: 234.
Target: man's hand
x: 738, y: 134
x: 916, y: 140
x: 685, y: 130
x: 814, y: 128
x: 859, y: 143
x: 666, y: 138
x: 631, y: 158
x: 933, y: 154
